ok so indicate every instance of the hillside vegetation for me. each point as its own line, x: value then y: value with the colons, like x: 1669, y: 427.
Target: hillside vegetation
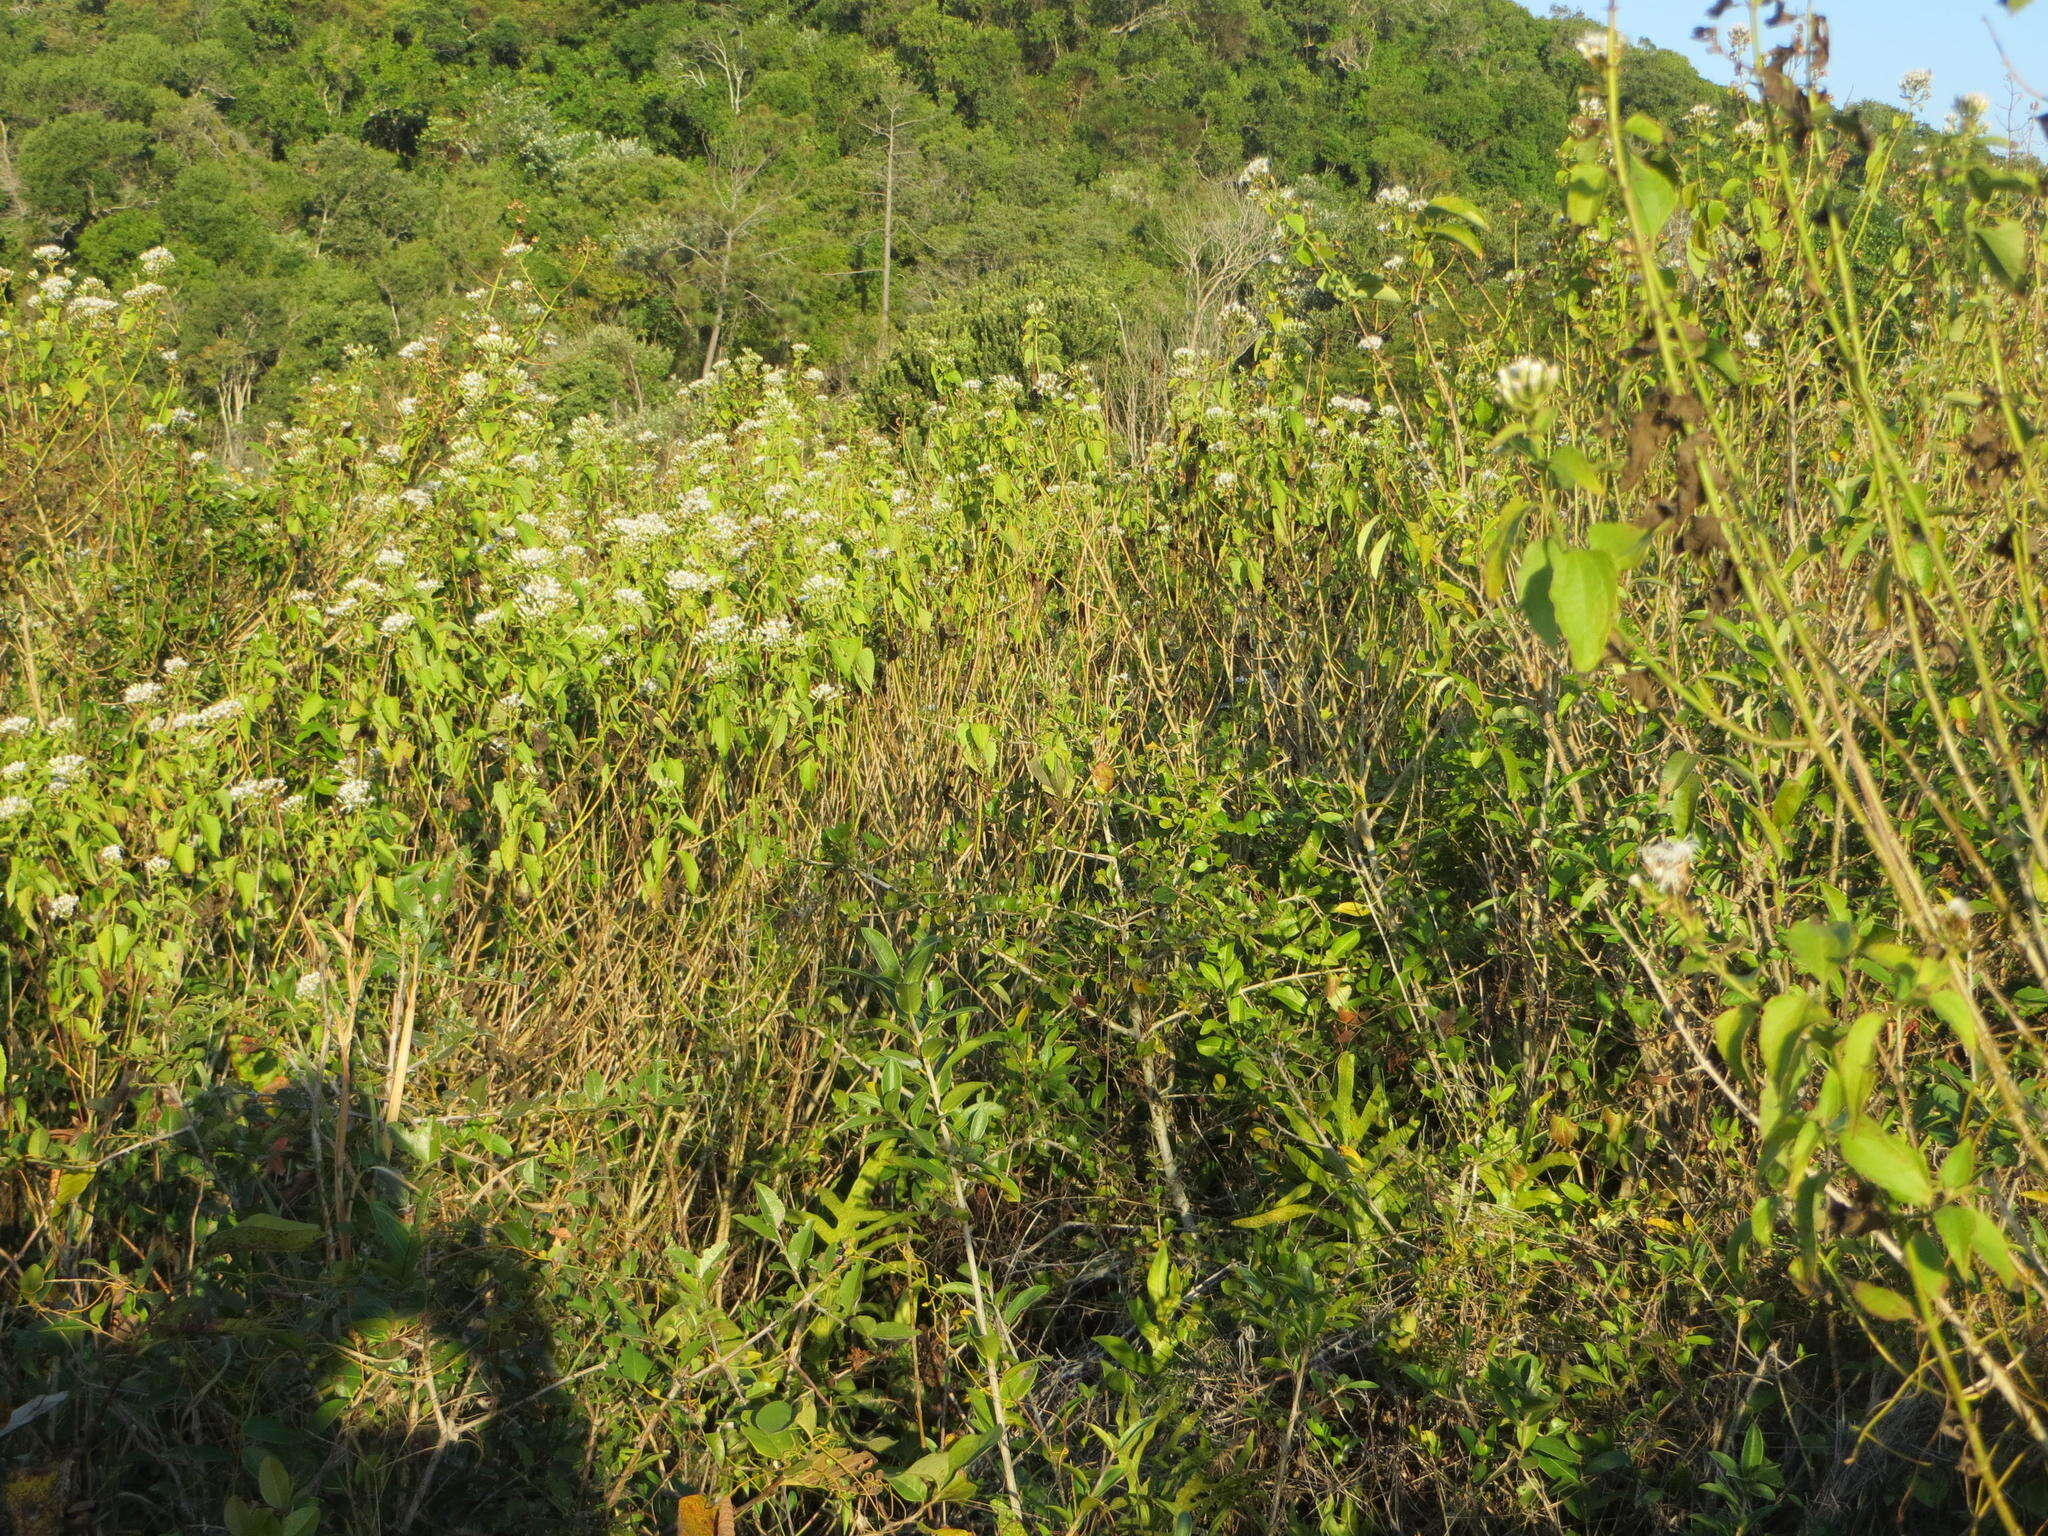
x: 701, y: 178
x: 1440, y: 927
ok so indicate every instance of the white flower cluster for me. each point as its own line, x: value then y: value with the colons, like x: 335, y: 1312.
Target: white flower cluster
x: 1527, y: 382
x: 1668, y: 863
x: 218, y: 713
x: 257, y: 790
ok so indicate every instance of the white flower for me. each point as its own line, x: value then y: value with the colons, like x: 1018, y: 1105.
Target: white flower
x: 820, y: 587
x: 1527, y: 382
x: 61, y: 725
x: 13, y: 807
x: 14, y: 770
x: 156, y: 865
x: 642, y: 529
x: 65, y: 768
x: 1669, y: 863
x: 15, y: 725
x: 156, y: 261
x: 1373, y: 343
x: 773, y: 634
x: 825, y: 693
x: 113, y: 854
x: 721, y: 629
x: 140, y: 693
x: 1394, y: 196
x: 518, y: 248
x: 533, y: 556
x: 484, y: 618
x: 1972, y: 105
x: 255, y: 789
x: 61, y: 907
x: 1254, y: 169
x: 389, y: 559
x: 173, y: 665
x: 308, y: 986
x: 394, y: 623
x: 1916, y: 85
x: 142, y: 293
x: 630, y: 597
x: 1597, y: 45
x: 688, y: 581
x: 352, y: 794
x: 540, y: 597
x: 1750, y: 128
x: 48, y: 253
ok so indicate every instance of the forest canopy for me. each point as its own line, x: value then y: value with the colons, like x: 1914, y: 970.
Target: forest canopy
x: 700, y: 178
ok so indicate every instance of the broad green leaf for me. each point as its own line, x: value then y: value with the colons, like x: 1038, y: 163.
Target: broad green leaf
x: 2004, y: 245
x: 1455, y: 232
x: 1571, y: 470
x: 1890, y: 1162
x: 1954, y: 1010
x: 1854, y: 1056
x: 1959, y: 1168
x: 1584, y: 597
x: 1819, y: 949
x: 275, y: 1483
x: 1459, y: 208
x: 1655, y: 187
x: 1584, y: 192
x: 1623, y: 543
x: 1532, y: 589
x: 1783, y: 1018
x: 1882, y: 1302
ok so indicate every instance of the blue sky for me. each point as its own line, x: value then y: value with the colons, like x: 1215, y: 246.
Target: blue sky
x: 1876, y: 41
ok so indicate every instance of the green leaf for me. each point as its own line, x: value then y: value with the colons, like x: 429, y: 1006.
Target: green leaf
x: 1623, y: 543
x: 1584, y: 596
x: 1893, y: 1164
x: 1959, y: 1168
x: 1854, y: 1056
x: 275, y: 1483
x: 1819, y: 949
x: 2004, y: 245
x: 1648, y: 129
x: 1459, y: 208
x: 1532, y: 590
x: 1571, y: 470
x: 1455, y: 232
x: 1272, y: 1218
x: 1954, y: 1010
x: 1584, y: 192
x: 1655, y: 187
x: 265, y: 1234
x: 1882, y: 1302
x: 1783, y: 1017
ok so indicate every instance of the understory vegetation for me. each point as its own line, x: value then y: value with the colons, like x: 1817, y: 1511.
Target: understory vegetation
x: 1442, y: 927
